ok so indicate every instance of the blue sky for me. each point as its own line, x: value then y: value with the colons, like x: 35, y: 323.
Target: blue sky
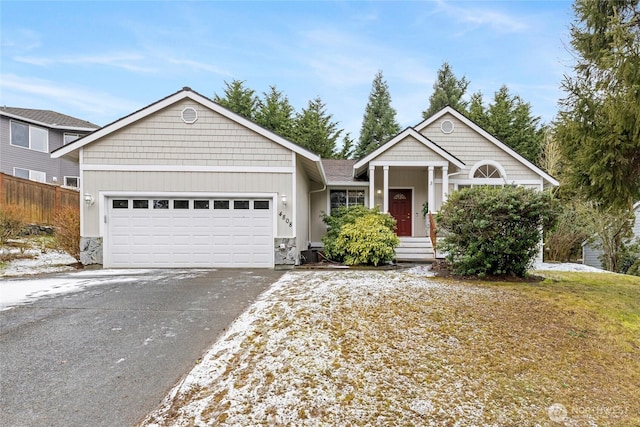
x: 100, y: 61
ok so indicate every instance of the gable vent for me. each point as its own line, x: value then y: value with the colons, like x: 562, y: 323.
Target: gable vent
x: 446, y: 126
x: 189, y: 115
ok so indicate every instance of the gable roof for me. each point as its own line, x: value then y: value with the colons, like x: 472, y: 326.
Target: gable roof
x: 188, y: 93
x: 48, y: 118
x: 360, y: 164
x: 464, y: 119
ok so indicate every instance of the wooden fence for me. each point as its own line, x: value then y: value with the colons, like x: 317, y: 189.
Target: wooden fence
x: 39, y: 201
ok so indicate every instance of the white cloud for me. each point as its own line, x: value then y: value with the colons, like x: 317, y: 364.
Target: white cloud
x: 200, y: 66
x: 481, y: 17
x: 22, y: 39
x: 126, y: 61
x: 77, y: 101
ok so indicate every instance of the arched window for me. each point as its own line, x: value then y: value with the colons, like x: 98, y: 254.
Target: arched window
x: 488, y: 169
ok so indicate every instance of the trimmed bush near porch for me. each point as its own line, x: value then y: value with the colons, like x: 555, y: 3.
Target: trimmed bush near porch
x: 360, y: 236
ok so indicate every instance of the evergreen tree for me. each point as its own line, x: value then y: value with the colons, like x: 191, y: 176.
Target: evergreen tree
x: 447, y: 90
x: 599, y: 121
x: 238, y: 98
x: 476, y: 110
x: 509, y: 119
x: 347, y: 147
x: 315, y: 131
x: 274, y: 112
x: 379, y: 123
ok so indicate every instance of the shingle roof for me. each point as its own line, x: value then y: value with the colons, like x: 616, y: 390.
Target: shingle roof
x: 338, y: 170
x: 49, y: 117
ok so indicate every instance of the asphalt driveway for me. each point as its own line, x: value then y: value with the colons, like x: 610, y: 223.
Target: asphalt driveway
x: 108, y: 354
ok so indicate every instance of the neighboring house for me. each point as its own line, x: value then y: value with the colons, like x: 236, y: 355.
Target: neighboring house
x: 185, y: 182
x: 27, y: 137
x: 591, y: 254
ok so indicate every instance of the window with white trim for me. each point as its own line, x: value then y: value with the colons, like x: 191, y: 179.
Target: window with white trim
x: 29, y: 174
x: 72, y: 181
x: 345, y: 198
x: 30, y: 137
x: 70, y: 137
x: 487, y: 171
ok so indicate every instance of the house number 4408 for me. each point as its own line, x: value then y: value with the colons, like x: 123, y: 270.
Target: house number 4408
x: 285, y: 219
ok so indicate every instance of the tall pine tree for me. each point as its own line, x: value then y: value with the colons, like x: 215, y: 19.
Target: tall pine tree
x: 379, y: 123
x: 447, y: 90
x: 509, y: 119
x: 274, y: 112
x: 238, y: 99
x: 315, y: 130
x: 599, y: 121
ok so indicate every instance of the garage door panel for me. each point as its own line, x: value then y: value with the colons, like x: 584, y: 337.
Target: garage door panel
x: 190, y: 237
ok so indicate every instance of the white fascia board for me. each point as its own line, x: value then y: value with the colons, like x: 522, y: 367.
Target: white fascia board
x: 410, y: 163
x: 47, y: 125
x: 363, y: 185
x: 490, y: 138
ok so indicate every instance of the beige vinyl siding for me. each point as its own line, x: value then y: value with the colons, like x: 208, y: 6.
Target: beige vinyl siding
x: 471, y: 148
x: 409, y: 149
x: 318, y: 206
x: 164, y: 139
x: 188, y: 182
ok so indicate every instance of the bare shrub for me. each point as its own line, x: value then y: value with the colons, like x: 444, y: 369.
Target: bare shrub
x: 67, y: 222
x: 11, y: 222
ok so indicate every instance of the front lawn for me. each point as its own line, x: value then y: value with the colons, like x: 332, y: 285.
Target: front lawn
x: 397, y: 348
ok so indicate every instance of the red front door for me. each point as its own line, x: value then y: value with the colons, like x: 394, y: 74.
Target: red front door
x: 400, y: 208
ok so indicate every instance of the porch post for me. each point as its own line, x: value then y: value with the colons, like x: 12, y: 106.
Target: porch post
x: 431, y: 190
x: 445, y: 183
x: 372, y: 193
x: 385, y: 194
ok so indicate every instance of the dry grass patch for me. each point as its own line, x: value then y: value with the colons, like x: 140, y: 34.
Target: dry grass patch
x: 389, y: 348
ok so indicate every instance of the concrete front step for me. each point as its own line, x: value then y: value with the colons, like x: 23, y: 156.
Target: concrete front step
x: 415, y: 249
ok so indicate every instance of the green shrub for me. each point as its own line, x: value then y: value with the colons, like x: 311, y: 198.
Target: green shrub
x: 493, y: 230
x: 367, y: 241
x: 67, y: 221
x: 375, y: 246
x: 11, y: 222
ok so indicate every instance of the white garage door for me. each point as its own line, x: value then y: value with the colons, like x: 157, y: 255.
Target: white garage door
x: 189, y: 232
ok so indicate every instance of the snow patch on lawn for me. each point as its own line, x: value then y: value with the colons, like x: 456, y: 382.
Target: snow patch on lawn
x: 38, y: 263
x: 294, y: 374
x: 568, y: 266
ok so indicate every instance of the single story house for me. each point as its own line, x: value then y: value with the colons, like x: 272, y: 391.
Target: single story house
x: 591, y: 253
x: 185, y: 182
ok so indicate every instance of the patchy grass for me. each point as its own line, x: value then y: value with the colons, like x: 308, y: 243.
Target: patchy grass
x: 390, y: 348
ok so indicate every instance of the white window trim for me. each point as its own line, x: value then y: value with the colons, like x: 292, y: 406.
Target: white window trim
x: 29, y: 126
x: 498, y: 166
x: 346, y: 189
x: 71, y: 186
x: 31, y: 174
x: 77, y: 135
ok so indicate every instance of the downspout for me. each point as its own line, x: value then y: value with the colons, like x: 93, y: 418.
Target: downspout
x: 324, y: 187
